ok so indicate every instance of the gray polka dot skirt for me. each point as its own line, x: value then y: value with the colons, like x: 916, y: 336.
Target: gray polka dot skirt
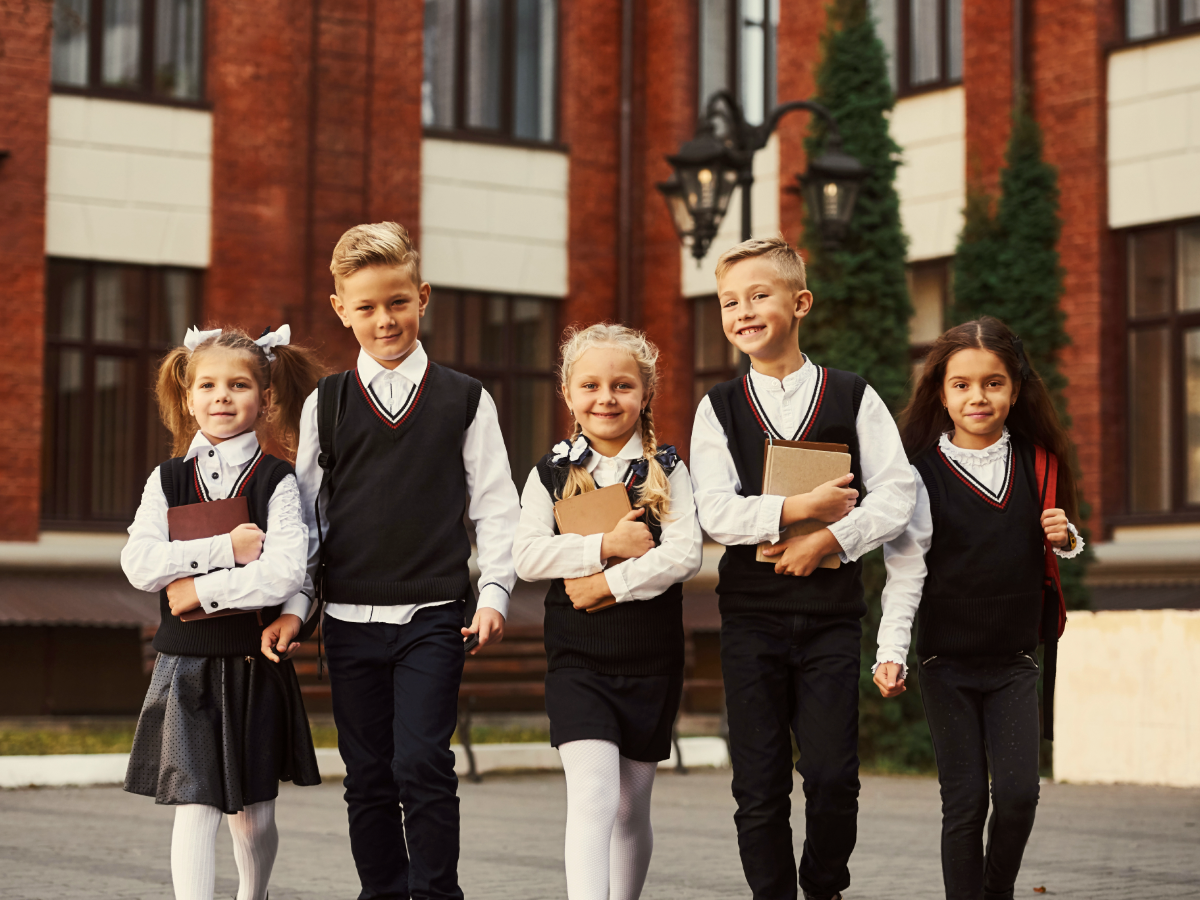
x: 222, y: 731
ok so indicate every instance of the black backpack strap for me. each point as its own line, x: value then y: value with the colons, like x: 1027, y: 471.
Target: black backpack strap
x: 474, y: 390
x: 860, y: 388
x: 925, y: 467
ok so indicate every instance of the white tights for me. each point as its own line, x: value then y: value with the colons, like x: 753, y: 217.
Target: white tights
x: 194, y: 850
x: 609, y: 838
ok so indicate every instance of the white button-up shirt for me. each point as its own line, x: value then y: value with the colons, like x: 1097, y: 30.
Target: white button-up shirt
x: 731, y: 519
x: 542, y: 554
x: 493, y: 505
x: 151, y: 560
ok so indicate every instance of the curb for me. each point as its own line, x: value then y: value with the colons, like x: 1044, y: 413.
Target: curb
x: 84, y: 769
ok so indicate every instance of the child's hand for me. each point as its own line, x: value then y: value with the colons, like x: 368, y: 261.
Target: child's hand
x: 280, y: 636
x: 801, y: 555
x: 589, y: 591
x: 181, y: 595
x: 1054, y: 523
x: 247, y: 543
x: 488, y: 624
x: 887, y: 679
x: 629, y: 540
x: 829, y: 502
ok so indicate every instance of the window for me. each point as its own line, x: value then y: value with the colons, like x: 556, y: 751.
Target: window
x: 737, y: 52
x: 923, y: 40
x: 107, y: 326
x: 716, y: 358
x: 1163, y: 370
x: 931, y: 290
x: 508, y: 343
x: 490, y: 68
x: 129, y: 47
x: 1146, y: 19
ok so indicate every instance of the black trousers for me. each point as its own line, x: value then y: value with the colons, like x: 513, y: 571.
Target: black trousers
x: 983, y: 715
x: 395, y: 702
x: 793, y: 673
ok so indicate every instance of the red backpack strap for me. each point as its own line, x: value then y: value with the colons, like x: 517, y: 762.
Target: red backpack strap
x: 1045, y: 467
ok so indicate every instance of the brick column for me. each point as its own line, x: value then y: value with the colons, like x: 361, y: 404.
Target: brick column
x: 800, y: 27
x: 988, y: 82
x: 24, y: 108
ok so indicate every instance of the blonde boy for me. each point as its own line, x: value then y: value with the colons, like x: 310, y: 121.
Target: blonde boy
x: 396, y: 448
x: 790, y: 632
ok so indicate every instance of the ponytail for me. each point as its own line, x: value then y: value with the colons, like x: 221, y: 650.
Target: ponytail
x: 656, y: 490
x: 171, y: 392
x: 294, y: 375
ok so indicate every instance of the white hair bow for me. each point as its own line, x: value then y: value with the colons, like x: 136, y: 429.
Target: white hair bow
x: 272, y: 339
x: 195, y: 337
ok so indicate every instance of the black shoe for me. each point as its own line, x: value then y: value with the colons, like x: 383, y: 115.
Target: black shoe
x: 808, y: 896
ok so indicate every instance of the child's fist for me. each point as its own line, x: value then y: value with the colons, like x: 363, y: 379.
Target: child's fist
x: 247, y: 543
x: 182, y: 597
x: 832, y: 501
x: 279, y: 638
x: 1054, y: 523
x: 887, y: 679
x: 629, y: 540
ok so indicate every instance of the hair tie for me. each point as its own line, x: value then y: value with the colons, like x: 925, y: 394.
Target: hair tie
x: 195, y: 337
x: 1026, y: 372
x: 272, y: 339
x: 566, y: 453
x: 667, y: 457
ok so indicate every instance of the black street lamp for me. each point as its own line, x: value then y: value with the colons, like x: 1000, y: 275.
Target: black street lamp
x: 709, y: 166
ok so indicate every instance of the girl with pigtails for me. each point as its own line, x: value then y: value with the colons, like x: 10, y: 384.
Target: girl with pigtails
x: 223, y: 721
x: 615, y: 675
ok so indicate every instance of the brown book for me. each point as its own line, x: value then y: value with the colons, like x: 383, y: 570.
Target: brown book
x: 796, y: 467
x: 594, y: 512
x: 202, y: 520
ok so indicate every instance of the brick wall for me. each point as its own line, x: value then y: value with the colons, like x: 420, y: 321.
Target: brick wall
x: 800, y: 27
x: 24, y: 104
x: 987, y: 77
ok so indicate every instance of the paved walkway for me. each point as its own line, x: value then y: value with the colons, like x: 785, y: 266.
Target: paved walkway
x: 1098, y: 843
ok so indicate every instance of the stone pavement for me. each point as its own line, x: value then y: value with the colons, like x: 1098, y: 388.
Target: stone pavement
x: 1098, y: 843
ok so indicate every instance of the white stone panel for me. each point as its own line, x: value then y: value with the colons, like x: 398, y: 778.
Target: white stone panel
x: 764, y: 222
x: 128, y: 182
x: 494, y: 218
x: 931, y: 131
x: 1154, y: 133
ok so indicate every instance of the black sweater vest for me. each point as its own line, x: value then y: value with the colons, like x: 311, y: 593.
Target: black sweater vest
x: 640, y: 637
x: 397, y: 494
x: 983, y: 590
x: 228, y: 635
x: 746, y: 585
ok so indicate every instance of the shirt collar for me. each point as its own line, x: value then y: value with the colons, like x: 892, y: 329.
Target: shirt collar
x: 234, y: 451
x: 792, y: 382
x: 413, y: 367
x: 631, y: 451
x: 968, y: 457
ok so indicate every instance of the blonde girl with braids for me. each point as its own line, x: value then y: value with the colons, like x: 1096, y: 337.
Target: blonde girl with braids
x: 223, y: 721
x: 614, y: 669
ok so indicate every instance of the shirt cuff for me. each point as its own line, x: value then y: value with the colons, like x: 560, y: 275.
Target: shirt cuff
x: 196, y: 555
x: 770, y: 508
x: 210, y: 589
x: 848, y: 536
x: 616, y: 584
x: 592, y: 546
x: 1074, y: 548
x: 297, y: 606
x: 220, y: 552
x: 493, y: 596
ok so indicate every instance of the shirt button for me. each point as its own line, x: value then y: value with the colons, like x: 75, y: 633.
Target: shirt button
x: 213, y: 604
x: 212, y: 452
x: 194, y: 564
x: 216, y: 475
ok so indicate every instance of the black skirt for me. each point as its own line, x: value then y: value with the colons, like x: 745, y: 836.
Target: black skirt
x: 222, y: 731
x: 635, y: 712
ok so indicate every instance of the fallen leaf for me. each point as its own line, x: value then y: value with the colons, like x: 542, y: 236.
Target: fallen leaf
x: 1039, y: 890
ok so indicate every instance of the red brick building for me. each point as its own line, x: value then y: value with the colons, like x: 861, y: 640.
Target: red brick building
x: 195, y: 161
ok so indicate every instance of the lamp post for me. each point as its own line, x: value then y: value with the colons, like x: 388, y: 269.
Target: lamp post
x: 709, y: 166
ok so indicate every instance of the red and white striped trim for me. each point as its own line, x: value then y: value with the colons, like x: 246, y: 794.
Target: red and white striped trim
x: 998, y: 499
x: 810, y: 415
x: 239, y: 486
x: 395, y: 420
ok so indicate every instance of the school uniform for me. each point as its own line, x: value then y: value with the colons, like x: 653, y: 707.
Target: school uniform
x: 415, y: 445
x: 221, y: 724
x: 616, y: 674
x: 970, y: 568
x: 790, y: 646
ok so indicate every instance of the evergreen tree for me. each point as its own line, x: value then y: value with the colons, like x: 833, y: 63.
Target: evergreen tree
x: 860, y: 316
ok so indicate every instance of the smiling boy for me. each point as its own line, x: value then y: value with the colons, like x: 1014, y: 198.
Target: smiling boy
x: 406, y: 446
x: 790, y: 632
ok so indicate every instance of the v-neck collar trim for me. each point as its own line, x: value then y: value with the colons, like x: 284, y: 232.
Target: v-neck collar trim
x: 239, y: 486
x: 998, y: 498
x: 393, y: 420
x: 810, y: 414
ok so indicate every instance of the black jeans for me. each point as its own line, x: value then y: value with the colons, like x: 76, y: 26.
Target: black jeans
x: 798, y: 673
x: 983, y: 714
x: 395, y: 702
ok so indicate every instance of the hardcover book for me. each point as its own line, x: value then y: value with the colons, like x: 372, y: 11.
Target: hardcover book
x: 797, y: 467
x: 594, y: 512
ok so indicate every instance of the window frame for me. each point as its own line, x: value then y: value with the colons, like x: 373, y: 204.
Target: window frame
x: 144, y: 352
x: 733, y: 56
x: 504, y: 134
x: 1175, y: 28
x: 144, y: 93
x: 1177, y: 323
x: 904, y: 86
x: 737, y: 364
x: 918, y: 351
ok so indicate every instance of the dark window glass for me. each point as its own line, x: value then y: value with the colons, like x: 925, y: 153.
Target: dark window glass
x: 1147, y: 19
x: 923, y: 41
x: 508, y: 343
x: 1189, y: 12
x: 1150, y: 420
x: 737, y: 52
x: 716, y: 358
x: 107, y: 326
x: 437, y: 88
x: 533, y: 95
x: 1191, y: 380
x: 152, y: 48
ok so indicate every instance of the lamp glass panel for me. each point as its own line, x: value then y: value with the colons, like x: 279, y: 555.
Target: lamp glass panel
x: 121, y: 57
x: 437, y: 85
x: 69, y: 50
x: 1149, y: 420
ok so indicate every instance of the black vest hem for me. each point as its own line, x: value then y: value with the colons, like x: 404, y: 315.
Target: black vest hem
x: 854, y: 607
x: 397, y: 593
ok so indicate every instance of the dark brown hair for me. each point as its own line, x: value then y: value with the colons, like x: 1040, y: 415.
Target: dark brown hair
x: 292, y: 376
x: 1033, y: 418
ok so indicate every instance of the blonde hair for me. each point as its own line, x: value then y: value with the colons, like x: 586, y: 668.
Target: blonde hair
x: 656, y: 490
x: 787, y: 261
x: 381, y: 244
x: 292, y: 377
